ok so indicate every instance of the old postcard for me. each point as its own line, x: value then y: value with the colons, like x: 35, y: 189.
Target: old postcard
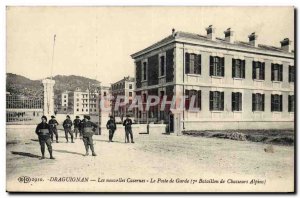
x: 150, y: 99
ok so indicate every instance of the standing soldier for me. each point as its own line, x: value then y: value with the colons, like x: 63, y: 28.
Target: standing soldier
x: 88, y: 129
x: 77, y: 130
x: 127, y: 123
x: 43, y: 132
x: 111, y: 125
x: 67, y: 126
x: 53, y: 130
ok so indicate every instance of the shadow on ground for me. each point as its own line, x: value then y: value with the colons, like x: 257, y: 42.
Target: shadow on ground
x: 70, y: 152
x: 25, y: 154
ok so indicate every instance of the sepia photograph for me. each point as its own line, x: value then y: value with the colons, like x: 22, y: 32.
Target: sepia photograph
x: 150, y: 99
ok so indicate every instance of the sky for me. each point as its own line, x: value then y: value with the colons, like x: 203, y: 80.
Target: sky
x: 96, y: 42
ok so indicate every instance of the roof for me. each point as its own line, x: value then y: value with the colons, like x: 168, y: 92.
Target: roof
x: 198, y: 37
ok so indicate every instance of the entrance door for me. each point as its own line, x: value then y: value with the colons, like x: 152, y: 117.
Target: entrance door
x: 171, y: 123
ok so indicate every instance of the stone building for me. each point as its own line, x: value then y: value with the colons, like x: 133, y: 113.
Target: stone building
x: 124, y: 88
x: 237, y: 85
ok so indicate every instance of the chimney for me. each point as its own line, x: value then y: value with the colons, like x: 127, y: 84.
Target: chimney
x: 173, y: 32
x: 286, y: 45
x: 252, y: 39
x: 210, y: 30
x: 229, y: 35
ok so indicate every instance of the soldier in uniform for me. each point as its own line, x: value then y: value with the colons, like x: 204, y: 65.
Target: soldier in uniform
x: 77, y: 130
x: 53, y: 130
x: 111, y: 125
x: 127, y: 123
x: 67, y: 126
x: 88, y: 129
x: 43, y: 132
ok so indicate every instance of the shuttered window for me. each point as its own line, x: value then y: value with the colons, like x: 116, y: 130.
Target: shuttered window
x: 216, y: 66
x: 258, y: 102
x: 291, y: 103
x: 144, y: 71
x: 162, y: 66
x: 238, y: 68
x: 216, y: 101
x: 276, y: 72
x: 276, y: 102
x: 197, y: 101
x: 236, y: 99
x: 258, y: 70
x: 192, y: 63
x: 291, y: 73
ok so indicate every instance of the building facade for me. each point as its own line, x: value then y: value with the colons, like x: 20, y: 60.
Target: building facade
x: 236, y: 85
x: 124, y: 88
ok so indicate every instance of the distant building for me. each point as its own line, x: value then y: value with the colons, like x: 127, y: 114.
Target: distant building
x: 125, y: 88
x: 237, y: 85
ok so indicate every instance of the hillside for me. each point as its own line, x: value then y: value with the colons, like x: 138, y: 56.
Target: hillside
x: 20, y: 85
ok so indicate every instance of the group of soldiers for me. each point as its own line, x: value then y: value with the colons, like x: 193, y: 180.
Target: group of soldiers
x: 85, y: 128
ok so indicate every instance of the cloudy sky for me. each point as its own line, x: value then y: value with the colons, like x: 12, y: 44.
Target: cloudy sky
x: 97, y: 42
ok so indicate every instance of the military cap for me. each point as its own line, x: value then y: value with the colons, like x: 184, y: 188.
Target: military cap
x: 77, y: 116
x: 52, y: 116
x: 68, y: 116
x: 44, y: 117
x: 111, y: 116
x: 88, y: 117
x: 85, y: 116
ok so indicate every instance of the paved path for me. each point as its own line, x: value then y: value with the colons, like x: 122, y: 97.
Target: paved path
x: 157, y: 157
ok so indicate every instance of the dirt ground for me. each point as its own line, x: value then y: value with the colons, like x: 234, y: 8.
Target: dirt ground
x: 176, y: 163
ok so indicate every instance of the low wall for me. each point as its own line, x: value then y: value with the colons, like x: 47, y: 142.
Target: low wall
x: 236, y: 125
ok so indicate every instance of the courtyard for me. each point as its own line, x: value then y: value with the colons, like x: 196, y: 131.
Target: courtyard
x: 163, y: 163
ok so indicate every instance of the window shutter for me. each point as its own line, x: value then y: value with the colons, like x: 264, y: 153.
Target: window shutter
x: 187, y: 63
x: 263, y: 102
x: 222, y: 101
x: 243, y: 69
x: 233, y: 68
x: 233, y: 101
x: 199, y: 99
x: 198, y: 64
x: 272, y: 72
x: 211, y: 65
x: 211, y: 100
x: 240, y: 102
x: 280, y: 102
x: 187, y: 100
x: 289, y: 103
x: 280, y: 72
x: 272, y: 102
x: 289, y: 73
x: 263, y: 71
x: 253, y: 70
x: 253, y: 102
x: 222, y: 66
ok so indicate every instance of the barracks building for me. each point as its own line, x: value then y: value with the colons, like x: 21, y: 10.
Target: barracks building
x: 237, y: 85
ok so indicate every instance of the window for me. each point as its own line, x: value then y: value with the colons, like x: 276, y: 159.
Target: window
x: 192, y: 63
x: 130, y: 86
x: 86, y: 110
x: 65, y: 96
x: 188, y: 100
x: 258, y: 102
x: 276, y: 72
x: 104, y: 93
x: 216, y: 66
x: 216, y: 101
x: 291, y: 73
x: 162, y: 66
x: 276, y: 102
x: 144, y: 71
x: 238, y: 68
x: 258, y: 71
x: 236, y: 99
x: 65, y: 109
x: 291, y: 103
x: 65, y: 101
x: 130, y: 93
x: 77, y: 105
x: 144, y: 98
x: 82, y: 109
x: 77, y: 110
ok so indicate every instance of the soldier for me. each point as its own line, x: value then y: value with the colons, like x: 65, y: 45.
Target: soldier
x: 43, y: 132
x: 77, y: 130
x: 111, y: 125
x: 53, y: 130
x: 88, y: 129
x: 67, y: 126
x: 127, y: 123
